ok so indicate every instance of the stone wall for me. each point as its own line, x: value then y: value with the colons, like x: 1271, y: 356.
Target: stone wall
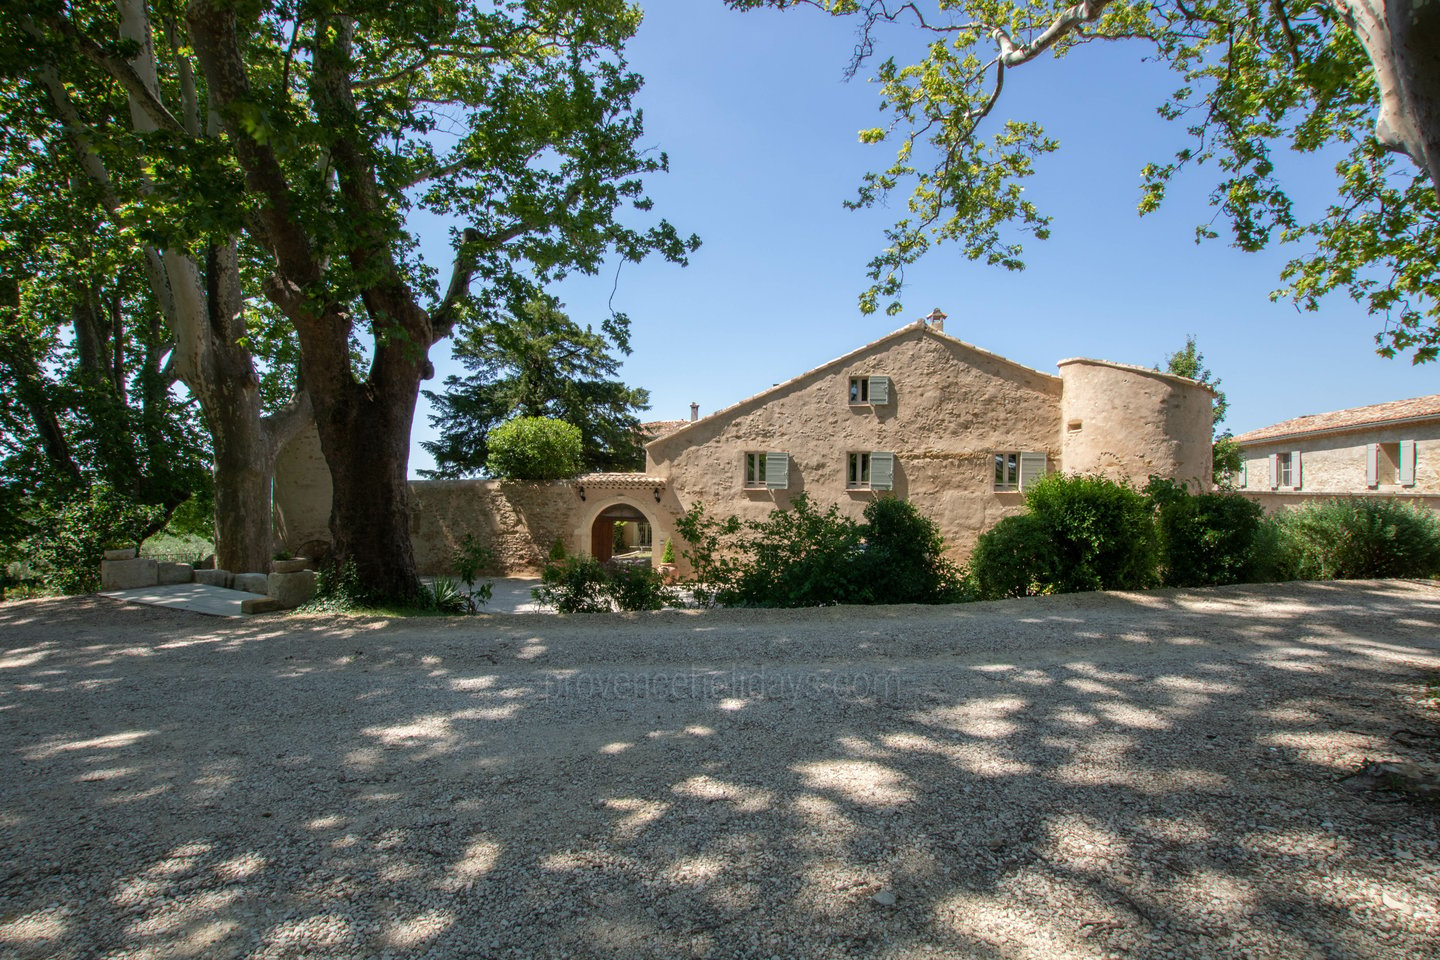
x: 518, y: 522
x: 1127, y: 422
x: 1334, y: 464
x: 301, y: 493
x: 951, y: 408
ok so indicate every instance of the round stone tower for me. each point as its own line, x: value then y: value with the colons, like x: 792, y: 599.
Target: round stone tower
x: 1121, y: 421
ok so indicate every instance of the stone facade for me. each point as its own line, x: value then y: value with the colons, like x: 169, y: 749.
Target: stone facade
x: 916, y: 414
x: 1387, y: 450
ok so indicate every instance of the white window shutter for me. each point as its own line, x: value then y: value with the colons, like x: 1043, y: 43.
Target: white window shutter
x: 1274, y: 470
x: 777, y: 471
x: 882, y: 471
x: 1032, y: 468
x: 1407, y: 463
x: 1372, y: 464
x: 1295, y: 469
x: 879, y: 390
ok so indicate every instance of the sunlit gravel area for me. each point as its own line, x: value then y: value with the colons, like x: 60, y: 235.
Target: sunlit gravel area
x: 1157, y: 775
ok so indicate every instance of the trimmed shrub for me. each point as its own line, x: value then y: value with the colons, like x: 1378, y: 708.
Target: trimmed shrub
x: 904, y: 556
x: 1081, y: 533
x: 1358, y: 538
x: 535, y: 449
x: 802, y: 557
x: 1012, y: 559
x: 1206, y: 539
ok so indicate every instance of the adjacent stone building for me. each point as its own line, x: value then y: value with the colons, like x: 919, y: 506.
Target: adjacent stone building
x: 1386, y: 449
x: 917, y: 414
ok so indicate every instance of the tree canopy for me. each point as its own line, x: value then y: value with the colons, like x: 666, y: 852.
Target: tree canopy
x: 1351, y: 76
x: 537, y: 363
x: 310, y: 133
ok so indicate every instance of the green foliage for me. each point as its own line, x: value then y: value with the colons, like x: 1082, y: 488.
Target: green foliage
x: 638, y: 586
x: 1081, y: 533
x: 582, y: 584
x: 904, y: 557
x: 803, y: 557
x: 538, y: 363
x: 1355, y: 538
x: 67, y: 545
x: 535, y: 449
x: 1190, y: 362
x: 1011, y: 559
x: 1253, y: 80
x: 469, y: 559
x: 446, y: 597
x: 338, y: 589
x: 557, y: 549
x: 667, y: 555
x: 575, y: 585
x: 1207, y: 539
x: 1227, y: 457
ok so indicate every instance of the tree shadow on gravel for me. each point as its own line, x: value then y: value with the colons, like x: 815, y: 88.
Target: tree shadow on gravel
x: 1134, y: 775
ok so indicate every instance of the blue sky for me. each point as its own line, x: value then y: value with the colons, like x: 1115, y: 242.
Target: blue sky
x: 760, y: 129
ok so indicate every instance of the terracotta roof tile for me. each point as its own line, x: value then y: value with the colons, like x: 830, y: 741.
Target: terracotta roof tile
x: 658, y: 428
x: 1354, y: 418
x: 620, y: 480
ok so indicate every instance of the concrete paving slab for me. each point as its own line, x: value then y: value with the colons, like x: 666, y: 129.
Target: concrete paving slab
x: 195, y: 597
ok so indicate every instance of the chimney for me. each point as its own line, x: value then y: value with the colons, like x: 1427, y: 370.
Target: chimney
x: 694, y: 412
x: 936, y: 320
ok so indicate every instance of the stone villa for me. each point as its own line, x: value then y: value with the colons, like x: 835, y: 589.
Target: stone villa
x: 1386, y: 450
x: 917, y: 414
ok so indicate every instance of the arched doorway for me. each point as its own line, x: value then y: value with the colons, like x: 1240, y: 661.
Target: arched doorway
x: 623, y: 530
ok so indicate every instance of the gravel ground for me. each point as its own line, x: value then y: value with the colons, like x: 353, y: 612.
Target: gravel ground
x: 1122, y: 775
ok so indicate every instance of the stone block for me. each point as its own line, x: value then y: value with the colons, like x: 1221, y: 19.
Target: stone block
x: 175, y: 573
x: 128, y: 574
x: 258, y: 604
x: 292, y: 589
x: 121, y: 553
x: 215, y: 578
x: 289, y: 566
x: 252, y: 582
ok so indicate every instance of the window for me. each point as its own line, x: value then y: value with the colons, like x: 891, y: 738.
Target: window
x: 872, y: 390
x: 1007, y: 472
x: 870, y: 471
x: 767, y: 471
x: 754, y: 471
x: 1016, y: 471
x: 1390, y: 463
x: 1285, y: 470
x: 858, y: 477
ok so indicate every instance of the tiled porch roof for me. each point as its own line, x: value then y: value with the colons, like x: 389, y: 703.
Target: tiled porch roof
x: 620, y: 481
x: 1376, y: 414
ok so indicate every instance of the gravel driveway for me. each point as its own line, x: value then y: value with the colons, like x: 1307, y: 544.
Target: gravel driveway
x: 1122, y: 775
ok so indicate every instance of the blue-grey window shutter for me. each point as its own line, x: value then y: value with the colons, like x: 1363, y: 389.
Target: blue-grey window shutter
x: 1274, y: 470
x: 777, y: 471
x: 1407, y: 463
x: 1032, y: 468
x: 880, y: 390
x: 1372, y: 464
x: 1241, y: 479
x: 882, y: 471
x: 1295, y: 469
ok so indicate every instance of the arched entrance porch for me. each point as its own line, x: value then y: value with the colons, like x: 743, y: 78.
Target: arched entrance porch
x: 629, y: 499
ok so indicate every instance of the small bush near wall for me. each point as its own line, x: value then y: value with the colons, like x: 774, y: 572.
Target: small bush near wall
x: 582, y: 584
x: 1358, y: 538
x: 1081, y: 533
x: 805, y: 557
x: 67, y: 544
x: 1206, y: 539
